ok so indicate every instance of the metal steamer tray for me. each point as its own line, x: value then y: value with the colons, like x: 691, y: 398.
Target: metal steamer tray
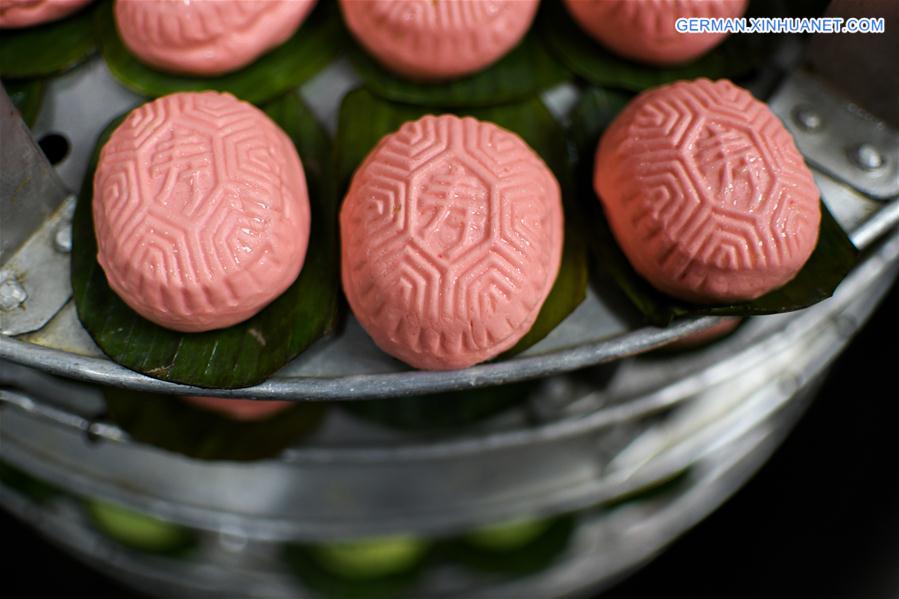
x: 577, y: 441
x: 854, y: 155
x: 712, y: 424
x: 604, y: 546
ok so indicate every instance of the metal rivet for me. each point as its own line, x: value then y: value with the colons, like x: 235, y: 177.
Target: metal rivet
x: 12, y: 294
x: 68, y: 210
x: 62, y: 241
x: 807, y: 118
x: 866, y: 157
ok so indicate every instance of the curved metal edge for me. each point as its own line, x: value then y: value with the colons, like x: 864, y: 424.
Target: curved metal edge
x: 369, y: 386
x: 862, y: 277
x: 711, y: 482
x: 654, y: 401
x: 620, y: 480
x: 402, y: 384
x: 373, y: 386
x: 648, y: 533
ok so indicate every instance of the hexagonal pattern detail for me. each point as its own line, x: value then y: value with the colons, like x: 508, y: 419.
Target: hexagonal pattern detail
x: 206, y: 37
x: 425, y: 39
x: 200, y: 210
x: 707, y: 193
x: 452, y: 238
x: 644, y: 30
x: 25, y: 13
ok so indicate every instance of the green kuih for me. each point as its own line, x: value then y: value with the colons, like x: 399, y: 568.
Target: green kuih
x: 507, y: 536
x: 139, y: 531
x: 518, y: 546
x: 230, y: 357
x: 830, y: 262
x: 376, y: 567
x: 48, y: 49
x: 364, y: 119
x: 315, y: 45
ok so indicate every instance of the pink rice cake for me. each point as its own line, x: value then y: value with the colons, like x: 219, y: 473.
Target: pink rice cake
x: 206, y: 37
x: 452, y: 234
x: 438, y: 39
x: 200, y: 210
x: 25, y: 13
x: 706, y: 192
x: 643, y: 30
x: 246, y: 410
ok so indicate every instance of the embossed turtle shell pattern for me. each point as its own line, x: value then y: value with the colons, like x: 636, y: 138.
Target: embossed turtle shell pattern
x: 452, y: 238
x: 200, y: 210
x: 25, y: 13
x: 423, y: 39
x: 206, y: 37
x: 644, y: 30
x: 706, y: 192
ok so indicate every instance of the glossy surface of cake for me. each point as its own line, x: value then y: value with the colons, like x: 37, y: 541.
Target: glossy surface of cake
x: 206, y: 37
x: 452, y: 236
x: 644, y: 30
x: 25, y: 13
x: 706, y: 192
x: 434, y: 40
x: 200, y: 210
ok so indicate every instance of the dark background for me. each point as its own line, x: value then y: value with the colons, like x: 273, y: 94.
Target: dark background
x: 820, y: 520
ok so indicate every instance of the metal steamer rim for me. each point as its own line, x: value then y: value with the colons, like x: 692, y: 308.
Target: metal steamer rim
x: 49, y: 337
x: 616, y: 434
